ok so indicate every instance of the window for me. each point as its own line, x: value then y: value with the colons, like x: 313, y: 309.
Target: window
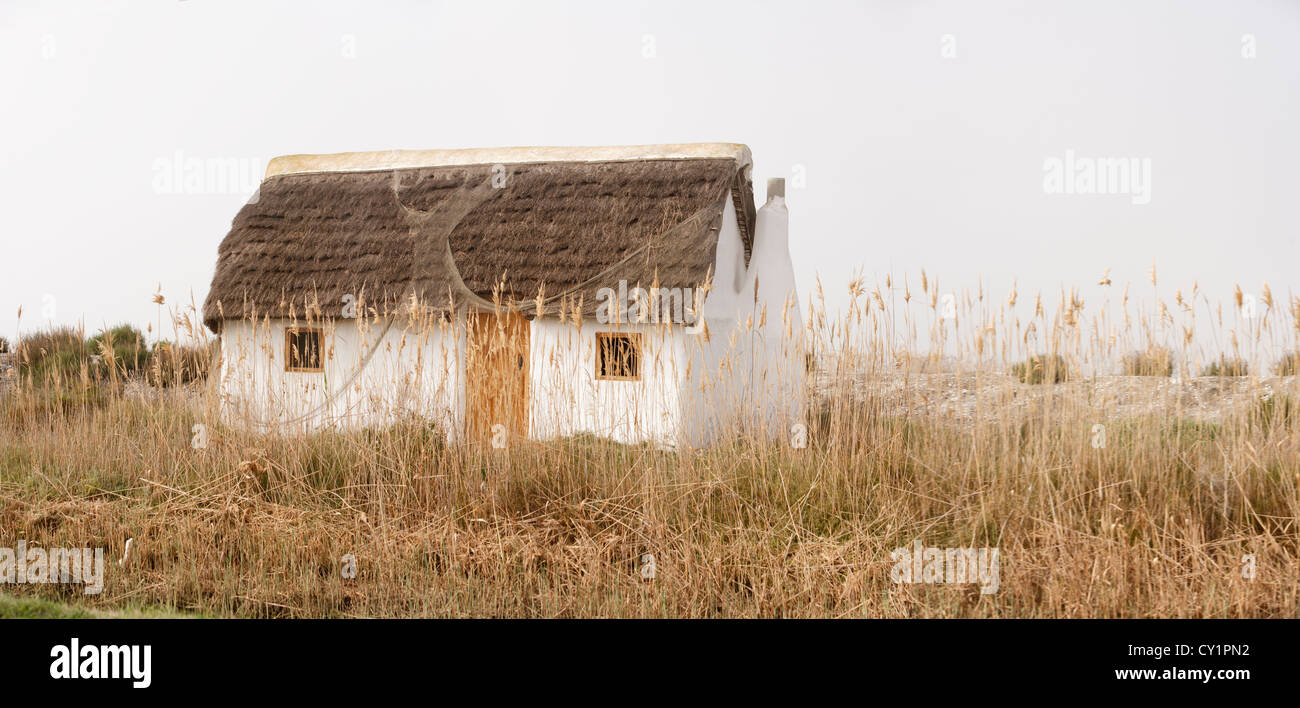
x: 302, y: 350
x: 618, y: 356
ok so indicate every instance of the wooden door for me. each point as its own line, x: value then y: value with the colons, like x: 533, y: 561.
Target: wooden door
x: 496, y: 375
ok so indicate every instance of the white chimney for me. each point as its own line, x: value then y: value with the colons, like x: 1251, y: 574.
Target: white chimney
x: 775, y: 188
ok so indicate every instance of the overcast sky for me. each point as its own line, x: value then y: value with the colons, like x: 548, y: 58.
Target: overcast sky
x: 914, y: 134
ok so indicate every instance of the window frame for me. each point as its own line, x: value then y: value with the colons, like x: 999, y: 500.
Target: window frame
x: 289, y: 333
x: 635, y: 339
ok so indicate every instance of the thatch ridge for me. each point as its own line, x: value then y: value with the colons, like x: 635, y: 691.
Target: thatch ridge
x: 403, y: 159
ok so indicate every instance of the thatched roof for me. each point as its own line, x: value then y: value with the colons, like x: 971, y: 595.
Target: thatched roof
x: 450, y: 226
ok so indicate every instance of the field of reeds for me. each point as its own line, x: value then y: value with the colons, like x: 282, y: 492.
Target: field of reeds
x: 1132, y: 457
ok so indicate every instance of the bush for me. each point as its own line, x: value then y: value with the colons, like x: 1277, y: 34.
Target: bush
x: 1041, y: 369
x: 58, y: 351
x: 1288, y: 365
x: 1226, y: 367
x: 1155, y: 361
x: 122, y: 347
x: 117, y: 352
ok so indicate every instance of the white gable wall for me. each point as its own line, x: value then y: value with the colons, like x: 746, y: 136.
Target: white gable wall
x: 749, y: 377
x: 714, y: 379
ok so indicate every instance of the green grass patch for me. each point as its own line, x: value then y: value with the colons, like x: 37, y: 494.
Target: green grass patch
x: 13, y: 607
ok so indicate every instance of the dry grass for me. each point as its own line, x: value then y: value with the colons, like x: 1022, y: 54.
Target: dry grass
x: 1152, y: 361
x: 1154, y: 522
x: 1226, y: 366
x: 1288, y: 365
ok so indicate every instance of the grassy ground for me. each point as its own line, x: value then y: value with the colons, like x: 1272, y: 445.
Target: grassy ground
x: 1156, y: 523
x: 1098, y: 508
x: 36, y: 608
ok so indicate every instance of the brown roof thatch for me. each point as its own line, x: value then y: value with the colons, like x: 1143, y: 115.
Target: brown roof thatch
x: 455, y: 232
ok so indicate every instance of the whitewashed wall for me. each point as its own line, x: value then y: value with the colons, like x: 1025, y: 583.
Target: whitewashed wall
x: 749, y: 378
x: 713, y: 387
x: 568, y: 399
x: 413, y: 372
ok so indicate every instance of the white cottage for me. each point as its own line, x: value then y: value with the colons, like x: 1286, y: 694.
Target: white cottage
x: 627, y: 292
